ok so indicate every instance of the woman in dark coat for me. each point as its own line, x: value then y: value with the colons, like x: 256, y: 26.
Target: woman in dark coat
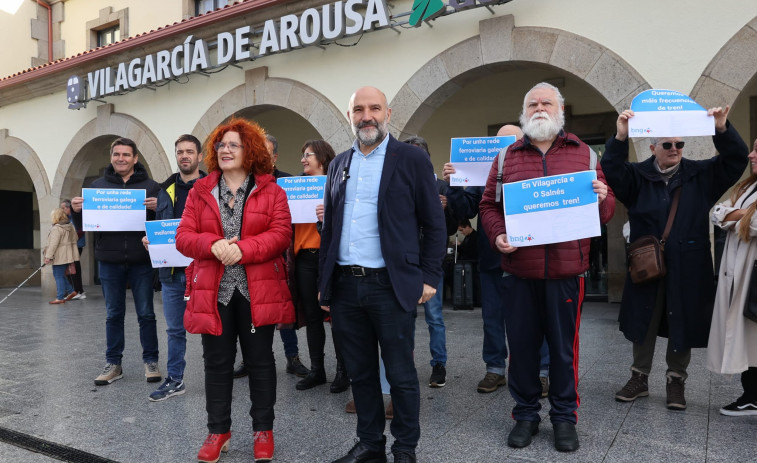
x: 679, y: 306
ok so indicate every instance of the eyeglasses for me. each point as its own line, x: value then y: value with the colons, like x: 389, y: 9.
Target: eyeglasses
x: 667, y: 145
x: 231, y: 146
x: 306, y: 155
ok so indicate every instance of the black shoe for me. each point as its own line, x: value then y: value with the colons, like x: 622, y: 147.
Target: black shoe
x: 313, y: 379
x: 566, y: 437
x: 438, y: 376
x: 362, y: 454
x: 522, y: 433
x: 341, y: 381
x: 240, y: 371
x: 403, y: 457
x: 295, y: 367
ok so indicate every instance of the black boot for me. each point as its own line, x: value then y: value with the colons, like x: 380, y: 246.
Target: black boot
x: 341, y: 380
x: 315, y: 377
x: 295, y: 367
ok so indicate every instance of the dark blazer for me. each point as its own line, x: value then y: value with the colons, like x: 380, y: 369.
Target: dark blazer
x: 408, y: 202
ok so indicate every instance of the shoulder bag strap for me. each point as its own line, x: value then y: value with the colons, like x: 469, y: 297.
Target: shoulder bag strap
x: 671, y: 216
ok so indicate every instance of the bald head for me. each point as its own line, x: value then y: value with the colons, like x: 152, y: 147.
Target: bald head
x: 510, y: 129
x: 369, y: 116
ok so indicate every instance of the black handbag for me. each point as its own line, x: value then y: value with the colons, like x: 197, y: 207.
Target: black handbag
x: 750, y: 307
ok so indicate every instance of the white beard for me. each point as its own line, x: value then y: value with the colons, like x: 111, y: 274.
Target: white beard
x: 541, y: 127
x: 371, y: 136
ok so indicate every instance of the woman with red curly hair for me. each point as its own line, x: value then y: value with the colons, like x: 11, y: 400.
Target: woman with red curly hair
x: 236, y: 226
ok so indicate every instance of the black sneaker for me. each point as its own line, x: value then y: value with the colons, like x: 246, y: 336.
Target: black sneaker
x: 438, y: 376
x: 740, y: 408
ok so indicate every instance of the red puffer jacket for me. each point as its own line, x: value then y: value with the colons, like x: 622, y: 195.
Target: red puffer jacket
x: 524, y: 161
x: 266, y: 234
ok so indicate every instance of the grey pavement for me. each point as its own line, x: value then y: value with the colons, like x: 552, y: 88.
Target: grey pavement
x: 50, y: 355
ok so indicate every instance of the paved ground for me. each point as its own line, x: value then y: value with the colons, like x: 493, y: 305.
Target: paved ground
x: 49, y: 356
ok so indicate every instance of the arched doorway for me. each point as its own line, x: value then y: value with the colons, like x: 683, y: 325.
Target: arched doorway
x: 477, y: 85
x: 26, y: 200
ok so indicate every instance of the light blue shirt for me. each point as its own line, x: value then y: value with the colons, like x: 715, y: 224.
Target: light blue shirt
x: 360, y: 244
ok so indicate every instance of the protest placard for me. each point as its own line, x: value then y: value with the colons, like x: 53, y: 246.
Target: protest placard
x: 551, y: 209
x: 162, y: 237
x: 473, y: 156
x: 113, y: 209
x: 304, y: 194
x: 667, y: 113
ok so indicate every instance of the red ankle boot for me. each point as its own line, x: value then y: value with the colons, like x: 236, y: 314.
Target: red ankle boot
x: 214, y: 444
x: 263, y: 445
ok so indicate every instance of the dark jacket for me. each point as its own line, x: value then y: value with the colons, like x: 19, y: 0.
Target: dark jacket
x: 525, y: 161
x: 124, y: 247
x: 266, y: 232
x: 407, y: 201
x: 690, y: 282
x: 171, y: 200
x: 464, y: 203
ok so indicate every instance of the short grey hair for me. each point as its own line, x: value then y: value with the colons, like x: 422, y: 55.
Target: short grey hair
x: 560, y: 98
x: 273, y: 141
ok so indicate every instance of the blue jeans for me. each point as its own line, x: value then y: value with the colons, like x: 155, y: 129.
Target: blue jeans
x: 62, y: 285
x: 114, y: 278
x: 289, y: 338
x: 173, y: 309
x: 366, y: 314
x: 437, y: 338
x: 493, y: 313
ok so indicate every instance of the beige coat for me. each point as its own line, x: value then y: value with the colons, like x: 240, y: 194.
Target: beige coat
x: 61, y: 244
x: 732, y: 347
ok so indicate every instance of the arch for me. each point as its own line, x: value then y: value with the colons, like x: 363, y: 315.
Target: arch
x: 23, y: 153
x: 259, y: 89
x: 501, y: 43
x: 730, y: 70
x: 70, y: 174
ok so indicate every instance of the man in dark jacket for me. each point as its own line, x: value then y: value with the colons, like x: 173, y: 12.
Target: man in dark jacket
x: 678, y: 306
x: 544, y: 287
x: 171, y: 200
x: 375, y: 269
x: 124, y: 260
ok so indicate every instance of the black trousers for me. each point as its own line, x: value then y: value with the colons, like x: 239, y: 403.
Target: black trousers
x: 257, y: 353
x: 749, y: 383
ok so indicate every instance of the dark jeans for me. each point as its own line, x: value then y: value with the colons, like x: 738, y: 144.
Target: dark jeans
x: 306, y: 275
x: 75, y: 279
x: 539, y: 309
x: 257, y: 353
x: 366, y: 314
x: 114, y: 278
x: 493, y: 304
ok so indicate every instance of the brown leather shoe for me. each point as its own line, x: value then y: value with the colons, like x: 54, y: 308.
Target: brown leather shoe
x: 71, y: 296
x: 57, y: 301
x: 389, y: 412
x: 350, y: 408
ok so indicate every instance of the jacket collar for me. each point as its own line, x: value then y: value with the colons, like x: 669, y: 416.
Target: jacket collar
x: 176, y: 178
x: 140, y: 174
x: 563, y: 138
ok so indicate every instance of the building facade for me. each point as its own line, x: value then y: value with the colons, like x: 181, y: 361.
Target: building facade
x: 152, y: 70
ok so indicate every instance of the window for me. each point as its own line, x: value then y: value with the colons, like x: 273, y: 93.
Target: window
x: 108, y: 36
x: 205, y: 6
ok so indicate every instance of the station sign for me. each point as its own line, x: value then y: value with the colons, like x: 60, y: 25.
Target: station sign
x: 314, y: 26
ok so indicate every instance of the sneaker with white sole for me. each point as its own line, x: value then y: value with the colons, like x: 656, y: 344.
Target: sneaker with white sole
x: 81, y: 295
x: 110, y: 373
x: 169, y: 388
x: 152, y: 373
x: 742, y: 407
